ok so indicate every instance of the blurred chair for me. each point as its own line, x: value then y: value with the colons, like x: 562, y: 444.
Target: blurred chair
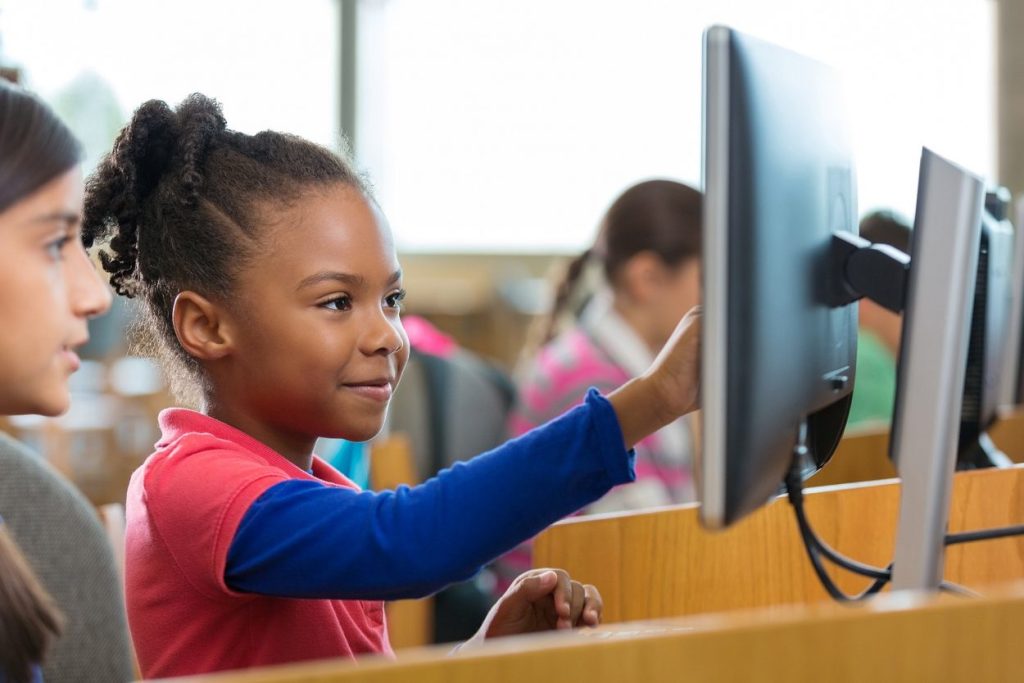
x: 113, y: 520
x: 60, y: 533
x: 452, y: 407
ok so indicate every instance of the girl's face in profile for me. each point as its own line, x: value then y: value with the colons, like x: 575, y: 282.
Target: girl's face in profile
x: 317, y: 343
x: 48, y: 290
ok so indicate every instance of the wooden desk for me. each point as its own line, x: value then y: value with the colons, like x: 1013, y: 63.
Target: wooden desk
x: 899, y: 639
x: 663, y: 563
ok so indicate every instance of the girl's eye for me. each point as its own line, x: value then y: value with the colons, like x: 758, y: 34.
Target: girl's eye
x: 55, y: 249
x: 339, y: 303
x: 395, y: 300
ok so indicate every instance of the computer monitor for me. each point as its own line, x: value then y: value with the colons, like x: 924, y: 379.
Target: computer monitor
x: 777, y: 353
x: 782, y: 268
x: 1013, y: 384
x: 989, y: 361
x: 932, y: 364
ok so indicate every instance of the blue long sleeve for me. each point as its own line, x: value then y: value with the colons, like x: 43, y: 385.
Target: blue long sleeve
x: 302, y: 539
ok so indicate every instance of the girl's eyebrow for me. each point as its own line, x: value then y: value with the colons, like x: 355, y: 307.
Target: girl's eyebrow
x: 68, y: 217
x: 343, y: 278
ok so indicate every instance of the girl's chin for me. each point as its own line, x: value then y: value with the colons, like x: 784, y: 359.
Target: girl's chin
x: 361, y: 435
x: 55, y: 406
x: 50, y: 406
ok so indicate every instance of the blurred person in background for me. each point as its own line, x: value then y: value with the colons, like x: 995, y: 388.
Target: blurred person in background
x: 647, y: 250
x: 48, y: 291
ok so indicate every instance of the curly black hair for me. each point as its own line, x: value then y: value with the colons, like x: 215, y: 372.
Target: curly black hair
x: 179, y: 204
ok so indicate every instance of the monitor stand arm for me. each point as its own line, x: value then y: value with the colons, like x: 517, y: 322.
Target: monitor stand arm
x: 876, y: 271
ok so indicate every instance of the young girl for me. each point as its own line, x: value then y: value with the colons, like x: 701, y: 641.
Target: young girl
x: 269, y: 280
x: 48, y: 290
x: 648, y: 251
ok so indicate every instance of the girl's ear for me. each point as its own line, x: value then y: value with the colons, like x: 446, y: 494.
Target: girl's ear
x: 641, y: 276
x: 202, y: 331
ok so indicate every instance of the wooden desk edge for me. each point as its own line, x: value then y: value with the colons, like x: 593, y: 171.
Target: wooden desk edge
x: 953, y: 618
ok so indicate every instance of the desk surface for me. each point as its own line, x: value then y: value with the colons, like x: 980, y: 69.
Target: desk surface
x: 896, y: 638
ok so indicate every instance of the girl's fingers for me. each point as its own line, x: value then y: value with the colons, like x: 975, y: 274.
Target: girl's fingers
x: 593, y: 606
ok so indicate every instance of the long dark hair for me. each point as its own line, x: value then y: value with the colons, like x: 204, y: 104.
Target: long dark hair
x: 29, y: 620
x: 35, y: 145
x: 35, y: 148
x: 182, y: 200
x: 660, y: 216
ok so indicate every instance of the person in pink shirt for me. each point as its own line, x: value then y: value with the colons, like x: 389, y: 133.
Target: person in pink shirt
x: 647, y: 252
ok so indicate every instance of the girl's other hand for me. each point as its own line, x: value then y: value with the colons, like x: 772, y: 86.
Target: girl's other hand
x: 541, y: 600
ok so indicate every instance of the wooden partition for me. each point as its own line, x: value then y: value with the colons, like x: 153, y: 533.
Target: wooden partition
x: 663, y: 563
x: 863, y: 454
x: 894, y: 639
x: 1008, y: 434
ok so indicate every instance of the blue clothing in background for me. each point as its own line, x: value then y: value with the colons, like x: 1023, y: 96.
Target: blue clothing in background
x: 351, y: 458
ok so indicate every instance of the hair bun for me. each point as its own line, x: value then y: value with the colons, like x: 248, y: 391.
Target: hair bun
x: 158, y: 139
x: 159, y: 146
x: 143, y: 150
x: 201, y: 120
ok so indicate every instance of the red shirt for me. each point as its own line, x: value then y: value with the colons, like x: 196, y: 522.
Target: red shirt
x: 183, y: 508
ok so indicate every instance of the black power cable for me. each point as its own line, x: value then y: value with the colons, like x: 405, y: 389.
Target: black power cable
x: 984, y: 534
x: 816, y: 548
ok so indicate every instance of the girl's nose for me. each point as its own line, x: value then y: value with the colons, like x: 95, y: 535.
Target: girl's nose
x: 88, y: 295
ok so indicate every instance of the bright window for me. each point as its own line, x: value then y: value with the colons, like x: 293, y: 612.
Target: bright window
x: 493, y: 125
x: 272, y: 64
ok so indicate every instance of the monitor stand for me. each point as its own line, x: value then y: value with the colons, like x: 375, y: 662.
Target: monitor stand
x: 932, y: 365
x: 980, y: 453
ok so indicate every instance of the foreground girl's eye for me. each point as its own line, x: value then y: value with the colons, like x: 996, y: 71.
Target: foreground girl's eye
x: 338, y: 303
x: 395, y: 299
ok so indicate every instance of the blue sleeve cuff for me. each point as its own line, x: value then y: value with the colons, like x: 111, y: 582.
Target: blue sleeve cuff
x: 612, y: 445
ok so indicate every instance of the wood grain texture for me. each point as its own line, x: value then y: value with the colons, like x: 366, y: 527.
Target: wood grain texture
x: 947, y: 639
x: 663, y: 563
x: 863, y: 454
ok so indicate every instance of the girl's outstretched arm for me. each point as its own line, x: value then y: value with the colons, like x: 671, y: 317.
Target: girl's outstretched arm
x: 304, y: 539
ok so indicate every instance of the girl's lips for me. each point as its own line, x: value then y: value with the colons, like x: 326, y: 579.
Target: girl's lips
x: 374, y: 392
x: 72, y: 359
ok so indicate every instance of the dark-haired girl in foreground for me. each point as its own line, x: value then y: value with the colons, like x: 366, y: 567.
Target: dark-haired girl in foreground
x: 270, y: 282
x: 48, y: 290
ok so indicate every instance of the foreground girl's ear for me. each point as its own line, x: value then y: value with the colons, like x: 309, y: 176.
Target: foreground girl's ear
x: 201, y: 328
